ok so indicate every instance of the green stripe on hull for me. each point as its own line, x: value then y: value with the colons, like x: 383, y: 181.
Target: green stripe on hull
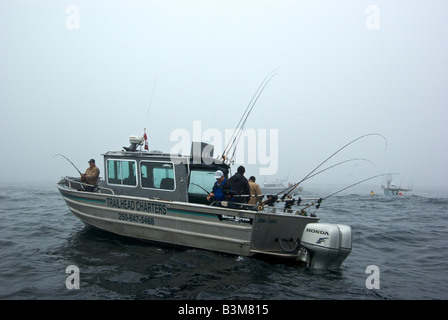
x: 193, y: 213
x: 84, y: 199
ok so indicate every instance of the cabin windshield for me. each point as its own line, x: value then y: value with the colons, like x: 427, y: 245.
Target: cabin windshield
x: 201, y: 178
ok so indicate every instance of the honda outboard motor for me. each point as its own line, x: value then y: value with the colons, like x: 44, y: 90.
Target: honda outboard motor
x: 327, y: 245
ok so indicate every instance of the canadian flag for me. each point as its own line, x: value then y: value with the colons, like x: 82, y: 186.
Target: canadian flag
x: 146, y: 140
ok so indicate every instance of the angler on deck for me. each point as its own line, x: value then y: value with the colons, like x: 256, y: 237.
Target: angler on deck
x: 91, y: 175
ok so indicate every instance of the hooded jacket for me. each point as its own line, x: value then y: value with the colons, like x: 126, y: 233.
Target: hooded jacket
x: 240, y: 186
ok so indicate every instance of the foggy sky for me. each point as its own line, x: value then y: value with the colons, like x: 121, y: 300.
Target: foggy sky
x: 79, y: 77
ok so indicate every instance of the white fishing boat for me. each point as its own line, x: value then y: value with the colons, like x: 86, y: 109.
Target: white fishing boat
x: 391, y: 189
x: 276, y: 187
x: 160, y: 197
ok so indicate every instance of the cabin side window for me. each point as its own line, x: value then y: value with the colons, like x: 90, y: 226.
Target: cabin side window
x: 157, y: 175
x: 121, y: 172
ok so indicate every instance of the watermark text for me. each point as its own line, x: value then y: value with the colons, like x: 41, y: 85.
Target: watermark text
x: 373, y: 280
x: 252, y: 147
x: 72, y: 281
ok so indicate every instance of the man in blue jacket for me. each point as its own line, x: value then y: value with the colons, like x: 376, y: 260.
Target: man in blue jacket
x: 220, y: 187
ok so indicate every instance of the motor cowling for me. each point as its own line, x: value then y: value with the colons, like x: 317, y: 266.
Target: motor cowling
x: 327, y: 245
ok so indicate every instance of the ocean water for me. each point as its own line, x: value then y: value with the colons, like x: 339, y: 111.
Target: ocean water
x: 404, y: 238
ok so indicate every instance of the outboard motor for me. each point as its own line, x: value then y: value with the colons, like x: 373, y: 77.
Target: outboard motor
x: 135, y: 141
x: 327, y: 245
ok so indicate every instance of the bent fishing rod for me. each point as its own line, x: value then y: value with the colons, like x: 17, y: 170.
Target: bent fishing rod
x: 318, y: 202
x: 331, y: 156
x: 337, y: 164
x: 309, y: 177
x: 199, y: 187
x: 290, y: 188
x: 234, y: 139
x: 380, y: 175
x: 274, y: 198
x: 68, y: 161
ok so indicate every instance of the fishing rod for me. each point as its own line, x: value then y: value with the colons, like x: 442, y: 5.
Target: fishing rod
x: 380, y: 175
x: 331, y: 156
x: 337, y: 164
x: 68, y: 161
x: 319, y: 172
x: 245, y: 111
x: 245, y: 120
x: 319, y: 201
x: 199, y: 187
x: 343, y: 147
x: 150, y: 100
x: 234, y: 139
x: 290, y: 202
x: 290, y: 188
x: 274, y: 198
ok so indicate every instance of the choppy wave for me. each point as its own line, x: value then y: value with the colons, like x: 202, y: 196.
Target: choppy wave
x: 405, y: 237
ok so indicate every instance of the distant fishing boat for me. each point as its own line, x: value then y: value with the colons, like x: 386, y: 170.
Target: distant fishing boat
x: 391, y: 189
x: 277, y: 187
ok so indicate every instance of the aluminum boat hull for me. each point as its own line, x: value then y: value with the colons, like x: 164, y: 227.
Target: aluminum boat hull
x: 233, y: 231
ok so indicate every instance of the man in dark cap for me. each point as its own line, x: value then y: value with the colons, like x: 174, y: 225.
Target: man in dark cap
x: 91, y: 176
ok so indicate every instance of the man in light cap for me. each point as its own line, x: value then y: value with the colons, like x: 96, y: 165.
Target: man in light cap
x: 91, y: 175
x: 219, y: 174
x: 219, y: 188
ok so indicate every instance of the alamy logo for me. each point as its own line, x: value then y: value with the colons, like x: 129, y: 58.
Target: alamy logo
x: 72, y: 21
x: 253, y: 146
x: 373, y: 18
x: 373, y: 280
x: 72, y: 281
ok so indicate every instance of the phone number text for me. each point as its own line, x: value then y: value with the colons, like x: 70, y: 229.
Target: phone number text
x: 135, y: 218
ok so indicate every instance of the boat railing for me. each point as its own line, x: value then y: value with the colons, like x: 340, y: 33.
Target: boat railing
x: 73, y: 183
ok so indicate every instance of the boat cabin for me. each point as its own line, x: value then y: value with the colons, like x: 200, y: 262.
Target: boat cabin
x: 161, y: 175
